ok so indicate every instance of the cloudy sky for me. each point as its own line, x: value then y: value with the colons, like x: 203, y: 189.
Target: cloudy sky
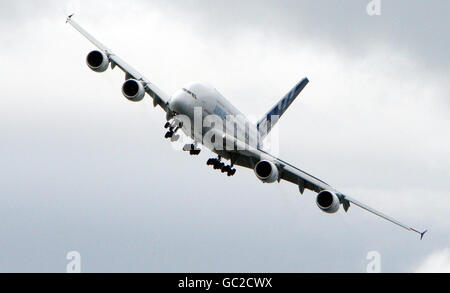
x: 85, y: 170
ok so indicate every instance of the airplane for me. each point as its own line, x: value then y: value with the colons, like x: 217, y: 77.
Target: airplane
x: 245, y: 138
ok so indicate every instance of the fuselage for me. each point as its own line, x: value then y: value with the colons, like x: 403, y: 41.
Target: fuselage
x: 203, y: 104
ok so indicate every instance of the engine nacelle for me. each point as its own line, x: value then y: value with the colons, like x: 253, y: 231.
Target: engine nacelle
x: 97, y: 61
x: 266, y: 171
x: 328, y: 202
x: 133, y: 90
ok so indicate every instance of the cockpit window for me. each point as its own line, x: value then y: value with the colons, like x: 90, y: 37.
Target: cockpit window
x: 191, y: 93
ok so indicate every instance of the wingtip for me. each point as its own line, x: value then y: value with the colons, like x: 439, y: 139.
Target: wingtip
x: 69, y: 17
x: 422, y: 234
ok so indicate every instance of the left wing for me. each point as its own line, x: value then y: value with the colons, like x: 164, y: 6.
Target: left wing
x: 305, y: 180
x: 250, y: 156
x: 159, y: 97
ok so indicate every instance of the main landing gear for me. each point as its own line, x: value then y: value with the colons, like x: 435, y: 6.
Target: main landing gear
x: 192, y: 149
x: 218, y: 164
x: 172, y: 130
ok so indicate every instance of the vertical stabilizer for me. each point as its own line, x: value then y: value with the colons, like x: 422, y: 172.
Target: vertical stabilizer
x: 266, y: 123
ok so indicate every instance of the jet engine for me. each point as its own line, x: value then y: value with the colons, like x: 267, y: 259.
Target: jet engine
x: 328, y: 202
x: 97, y: 61
x: 133, y: 90
x: 266, y: 171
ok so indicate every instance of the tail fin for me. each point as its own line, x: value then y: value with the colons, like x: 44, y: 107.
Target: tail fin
x: 266, y: 123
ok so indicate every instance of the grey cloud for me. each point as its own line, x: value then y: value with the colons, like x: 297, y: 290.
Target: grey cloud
x: 343, y: 25
x: 85, y: 170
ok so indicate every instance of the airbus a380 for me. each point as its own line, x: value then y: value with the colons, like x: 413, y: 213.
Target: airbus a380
x: 241, y: 146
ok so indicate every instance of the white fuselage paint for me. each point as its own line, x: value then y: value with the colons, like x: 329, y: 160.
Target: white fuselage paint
x: 211, y: 102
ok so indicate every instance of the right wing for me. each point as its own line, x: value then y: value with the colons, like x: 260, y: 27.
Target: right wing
x: 159, y: 97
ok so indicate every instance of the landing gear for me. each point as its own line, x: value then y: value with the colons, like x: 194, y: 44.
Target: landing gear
x: 218, y: 165
x: 194, y: 152
x: 173, y: 128
x: 192, y: 149
x: 225, y: 169
x: 231, y: 172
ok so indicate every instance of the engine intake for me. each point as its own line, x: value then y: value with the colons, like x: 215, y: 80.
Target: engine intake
x: 97, y: 61
x: 266, y: 171
x: 133, y: 90
x: 328, y: 202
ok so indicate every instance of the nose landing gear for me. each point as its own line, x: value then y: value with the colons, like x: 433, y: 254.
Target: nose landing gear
x: 173, y: 128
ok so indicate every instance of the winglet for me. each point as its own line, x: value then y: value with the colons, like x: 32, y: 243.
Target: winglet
x: 423, y: 233
x: 69, y: 17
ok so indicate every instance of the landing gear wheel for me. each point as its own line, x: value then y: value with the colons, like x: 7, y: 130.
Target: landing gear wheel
x: 225, y: 169
x: 219, y: 165
x: 194, y: 152
x: 168, y: 134
x: 231, y: 172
